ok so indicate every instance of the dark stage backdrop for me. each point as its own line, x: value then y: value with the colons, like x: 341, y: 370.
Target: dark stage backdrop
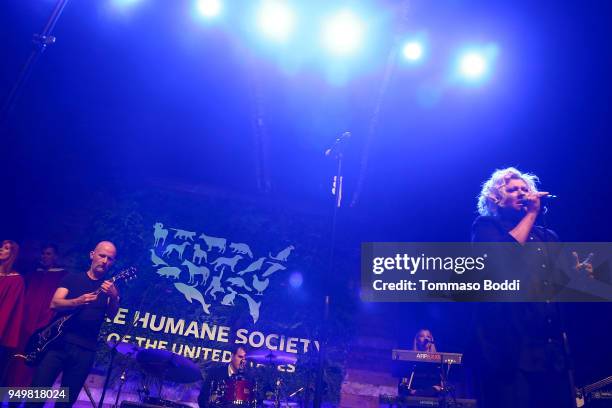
x: 279, y: 304
x: 216, y: 270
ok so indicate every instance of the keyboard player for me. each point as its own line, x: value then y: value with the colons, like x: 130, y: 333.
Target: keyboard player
x: 423, y: 379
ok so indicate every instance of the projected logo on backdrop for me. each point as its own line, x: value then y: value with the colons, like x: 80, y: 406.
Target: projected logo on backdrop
x: 212, y: 270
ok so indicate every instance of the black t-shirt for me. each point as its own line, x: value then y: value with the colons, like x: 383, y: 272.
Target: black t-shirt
x: 525, y: 335
x: 83, y: 328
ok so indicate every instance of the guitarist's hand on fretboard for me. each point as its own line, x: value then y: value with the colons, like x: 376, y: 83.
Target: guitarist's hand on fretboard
x: 110, y: 289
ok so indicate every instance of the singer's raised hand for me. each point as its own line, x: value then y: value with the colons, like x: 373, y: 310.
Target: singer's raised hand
x: 585, y: 265
x: 531, y: 201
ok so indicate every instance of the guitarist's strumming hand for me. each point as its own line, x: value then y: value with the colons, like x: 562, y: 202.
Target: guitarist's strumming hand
x: 85, y: 299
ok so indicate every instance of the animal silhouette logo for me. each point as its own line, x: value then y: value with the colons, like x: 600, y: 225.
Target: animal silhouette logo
x: 283, y: 255
x: 253, y: 267
x: 242, y: 249
x: 179, y: 249
x: 169, y: 271
x: 157, y: 261
x: 224, y: 279
x: 260, y: 286
x: 191, y: 294
x: 214, y: 242
x: 199, y: 254
x: 194, y: 270
x: 215, y: 286
x: 223, y: 262
x: 228, y: 300
x: 183, y: 234
x: 239, y: 282
x: 275, y: 267
x: 159, y: 233
x: 253, y: 306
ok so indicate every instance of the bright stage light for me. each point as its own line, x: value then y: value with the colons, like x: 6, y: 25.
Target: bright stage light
x: 209, y: 8
x: 473, y: 65
x: 124, y: 4
x: 275, y: 20
x: 413, y: 51
x: 296, y: 279
x: 343, y: 33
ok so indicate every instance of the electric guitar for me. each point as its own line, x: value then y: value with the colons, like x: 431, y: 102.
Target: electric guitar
x: 41, y: 339
x: 586, y: 391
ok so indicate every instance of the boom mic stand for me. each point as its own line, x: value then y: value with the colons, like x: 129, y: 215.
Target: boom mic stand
x: 41, y: 42
x: 114, y: 348
x: 336, y: 152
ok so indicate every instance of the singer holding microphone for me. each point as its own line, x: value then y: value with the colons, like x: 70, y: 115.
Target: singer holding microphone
x: 509, y: 205
x: 522, y: 357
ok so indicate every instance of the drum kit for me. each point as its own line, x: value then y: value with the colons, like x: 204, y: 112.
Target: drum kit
x: 264, y: 389
x: 240, y: 391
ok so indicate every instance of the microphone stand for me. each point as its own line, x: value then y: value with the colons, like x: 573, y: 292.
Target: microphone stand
x: 114, y: 350
x: 337, y: 188
x: 41, y: 42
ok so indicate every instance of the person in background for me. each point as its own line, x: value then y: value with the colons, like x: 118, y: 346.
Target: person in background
x: 40, y: 287
x: 218, y: 375
x: 424, y: 341
x: 424, y: 380
x: 12, y: 288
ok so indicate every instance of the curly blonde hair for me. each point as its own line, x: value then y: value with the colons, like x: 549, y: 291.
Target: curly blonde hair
x: 492, y: 193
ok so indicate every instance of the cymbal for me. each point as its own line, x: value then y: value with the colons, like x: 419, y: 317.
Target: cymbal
x: 127, y: 349
x: 168, y: 366
x: 265, y: 356
x: 284, y: 404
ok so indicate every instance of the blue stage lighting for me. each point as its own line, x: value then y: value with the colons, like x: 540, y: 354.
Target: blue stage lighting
x: 275, y: 20
x: 413, y: 51
x: 473, y: 65
x: 209, y: 8
x: 124, y: 4
x: 343, y: 33
x: 296, y: 279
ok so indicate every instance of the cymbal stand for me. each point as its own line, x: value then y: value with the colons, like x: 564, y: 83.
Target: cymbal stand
x: 122, y: 378
x: 277, y: 389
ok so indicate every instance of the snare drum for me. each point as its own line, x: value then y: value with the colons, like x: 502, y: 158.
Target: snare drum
x: 238, y: 392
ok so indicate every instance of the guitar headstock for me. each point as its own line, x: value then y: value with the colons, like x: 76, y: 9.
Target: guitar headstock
x: 125, y: 274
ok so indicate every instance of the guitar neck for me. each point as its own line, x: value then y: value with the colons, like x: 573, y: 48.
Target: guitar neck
x: 99, y: 290
x: 598, y: 384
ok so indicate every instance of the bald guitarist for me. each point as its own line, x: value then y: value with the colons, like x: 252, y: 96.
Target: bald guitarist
x: 89, y: 297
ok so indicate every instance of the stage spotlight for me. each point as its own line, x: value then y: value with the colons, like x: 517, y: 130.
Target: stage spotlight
x: 124, y: 4
x: 473, y: 65
x: 296, y: 279
x: 343, y: 33
x: 413, y: 51
x: 275, y: 20
x: 209, y: 8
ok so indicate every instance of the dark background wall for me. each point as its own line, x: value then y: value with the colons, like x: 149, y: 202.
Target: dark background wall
x: 153, y: 98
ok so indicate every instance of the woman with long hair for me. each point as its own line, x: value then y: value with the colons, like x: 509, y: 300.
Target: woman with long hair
x: 424, y: 380
x: 424, y: 341
x: 11, y: 302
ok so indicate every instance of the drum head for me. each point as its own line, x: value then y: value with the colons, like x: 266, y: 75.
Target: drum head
x: 238, y: 391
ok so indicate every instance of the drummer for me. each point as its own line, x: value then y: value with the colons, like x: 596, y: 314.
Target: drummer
x: 219, y: 374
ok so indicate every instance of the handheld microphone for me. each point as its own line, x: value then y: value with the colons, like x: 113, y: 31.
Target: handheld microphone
x: 588, y: 259
x: 337, y: 144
